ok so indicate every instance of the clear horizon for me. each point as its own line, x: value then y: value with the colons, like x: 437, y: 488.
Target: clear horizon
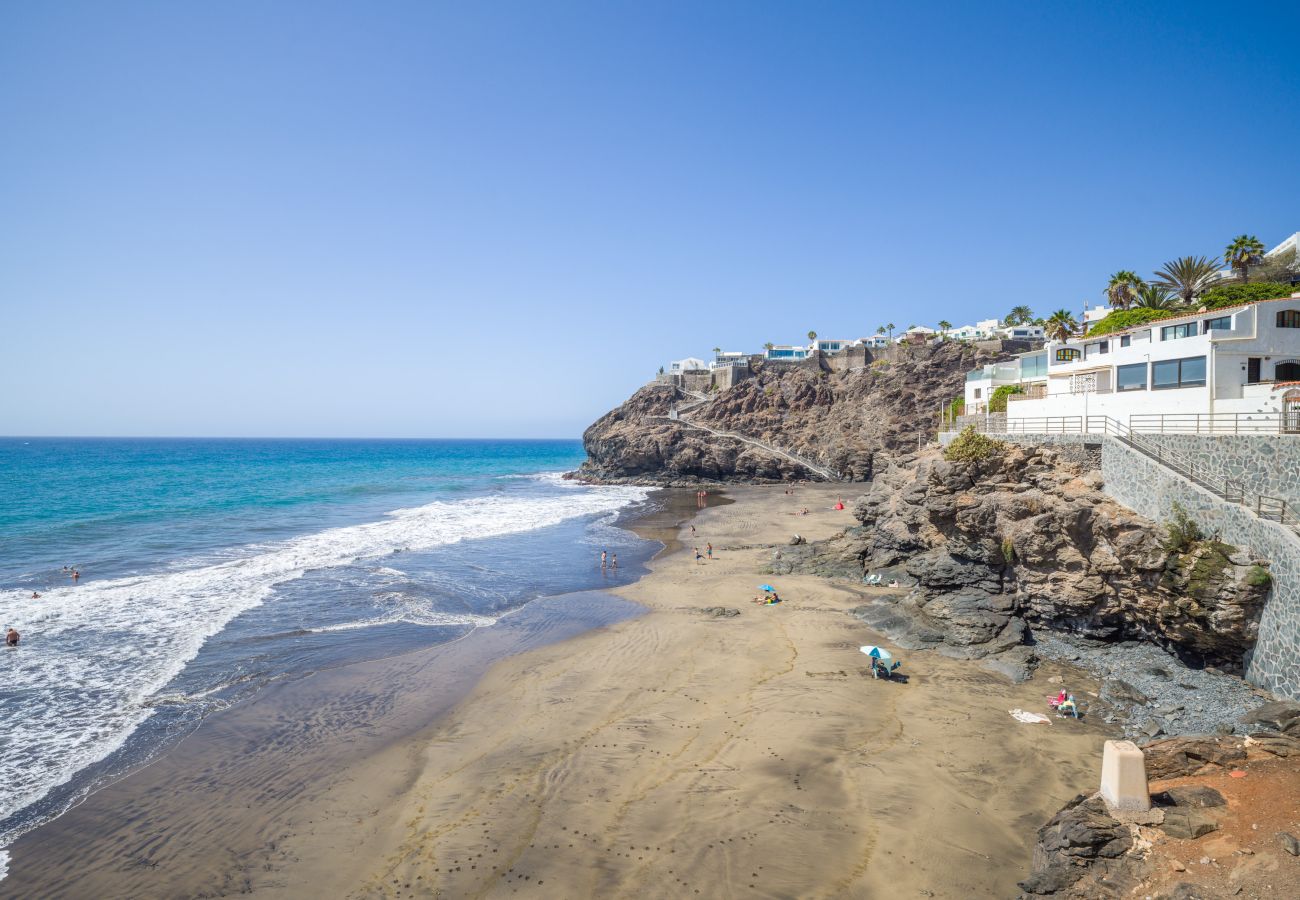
x: 418, y: 221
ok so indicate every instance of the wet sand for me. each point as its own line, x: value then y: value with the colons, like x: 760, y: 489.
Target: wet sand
x: 673, y: 754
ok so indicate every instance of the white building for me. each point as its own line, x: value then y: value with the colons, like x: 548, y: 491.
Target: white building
x: 726, y: 358
x: 1092, y: 316
x: 1228, y: 363
x: 786, y: 352
x: 689, y: 364
x: 917, y: 334
x: 829, y: 347
x: 980, y: 331
x: 1022, y: 332
x: 875, y: 342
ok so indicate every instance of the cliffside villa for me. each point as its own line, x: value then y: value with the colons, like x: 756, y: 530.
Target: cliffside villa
x: 1220, y: 371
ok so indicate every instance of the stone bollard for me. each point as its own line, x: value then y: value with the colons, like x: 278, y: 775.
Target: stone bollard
x: 1124, y: 777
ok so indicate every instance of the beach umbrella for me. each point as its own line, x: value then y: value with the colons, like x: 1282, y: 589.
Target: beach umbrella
x: 877, y: 652
x: 766, y: 587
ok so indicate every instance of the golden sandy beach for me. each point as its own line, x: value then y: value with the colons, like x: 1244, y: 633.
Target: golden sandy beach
x: 682, y: 755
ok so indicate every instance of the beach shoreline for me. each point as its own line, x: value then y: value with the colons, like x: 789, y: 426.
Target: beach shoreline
x: 671, y: 753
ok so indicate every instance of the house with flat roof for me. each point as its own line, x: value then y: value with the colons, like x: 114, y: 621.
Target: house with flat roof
x: 829, y: 347
x: 875, y: 342
x: 727, y: 358
x: 786, y: 352
x: 689, y: 364
x: 1237, y: 362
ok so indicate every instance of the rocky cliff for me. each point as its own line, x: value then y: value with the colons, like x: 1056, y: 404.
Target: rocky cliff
x: 851, y: 422
x: 1024, y: 537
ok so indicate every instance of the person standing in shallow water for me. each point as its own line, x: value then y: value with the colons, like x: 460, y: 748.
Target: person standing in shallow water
x: 604, y: 559
x: 11, y: 637
x: 613, y: 561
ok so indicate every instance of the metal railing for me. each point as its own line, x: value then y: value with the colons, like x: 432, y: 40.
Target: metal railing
x: 1233, y: 490
x: 1209, y: 423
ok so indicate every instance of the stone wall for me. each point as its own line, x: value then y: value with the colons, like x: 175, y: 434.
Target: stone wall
x: 729, y: 376
x: 1148, y: 488
x: 1266, y: 464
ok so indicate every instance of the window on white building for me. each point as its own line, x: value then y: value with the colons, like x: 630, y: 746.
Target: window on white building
x: 1288, y: 318
x: 1131, y: 378
x: 1067, y: 354
x: 1222, y: 323
x: 1125, y: 340
x: 1174, y: 332
x: 1178, y: 373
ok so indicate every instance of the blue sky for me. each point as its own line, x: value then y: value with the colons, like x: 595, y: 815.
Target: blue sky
x: 498, y: 219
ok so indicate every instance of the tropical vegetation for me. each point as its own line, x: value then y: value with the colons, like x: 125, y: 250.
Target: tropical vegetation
x: 1237, y: 294
x: 998, y: 402
x: 1061, y: 325
x: 1188, y: 276
x: 1123, y: 289
x: 1244, y: 251
x: 1123, y: 319
x: 1019, y: 315
x: 1155, y: 296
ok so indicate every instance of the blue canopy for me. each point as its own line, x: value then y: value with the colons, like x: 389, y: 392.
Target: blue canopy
x: 766, y: 587
x: 876, y: 652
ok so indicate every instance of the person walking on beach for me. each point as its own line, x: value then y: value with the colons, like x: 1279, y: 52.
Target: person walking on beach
x: 11, y: 637
x: 698, y: 557
x: 708, y: 548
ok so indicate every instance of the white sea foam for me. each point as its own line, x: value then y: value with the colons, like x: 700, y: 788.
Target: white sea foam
x: 94, y: 654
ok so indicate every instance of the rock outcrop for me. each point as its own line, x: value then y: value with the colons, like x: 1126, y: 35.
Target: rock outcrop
x: 852, y: 422
x: 1086, y: 852
x: 1025, y: 538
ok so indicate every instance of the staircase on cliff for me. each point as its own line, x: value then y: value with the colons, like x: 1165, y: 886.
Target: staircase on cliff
x: 698, y: 400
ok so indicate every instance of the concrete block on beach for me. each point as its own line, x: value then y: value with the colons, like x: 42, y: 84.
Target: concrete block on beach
x: 1124, y: 777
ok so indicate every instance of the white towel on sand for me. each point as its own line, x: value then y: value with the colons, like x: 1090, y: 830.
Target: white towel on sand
x: 1029, y: 718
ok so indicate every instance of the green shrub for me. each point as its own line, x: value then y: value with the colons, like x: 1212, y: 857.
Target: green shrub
x: 1182, y: 531
x: 1258, y: 576
x: 1122, y: 319
x: 998, y: 402
x: 1008, y: 551
x: 1237, y: 294
x: 971, y: 446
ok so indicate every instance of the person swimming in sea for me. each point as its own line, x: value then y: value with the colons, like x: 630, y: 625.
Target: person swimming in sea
x: 11, y: 637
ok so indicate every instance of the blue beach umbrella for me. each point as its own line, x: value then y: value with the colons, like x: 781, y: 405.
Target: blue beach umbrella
x: 766, y: 587
x: 877, y: 652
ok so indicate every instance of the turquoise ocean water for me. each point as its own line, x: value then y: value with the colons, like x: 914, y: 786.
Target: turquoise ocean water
x: 212, y: 567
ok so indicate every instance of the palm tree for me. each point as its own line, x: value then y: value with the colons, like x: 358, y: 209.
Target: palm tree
x: 891, y: 326
x: 717, y: 349
x: 769, y: 345
x: 1123, y: 289
x: 1155, y: 296
x: 1061, y: 325
x: 1019, y: 315
x: 1244, y: 251
x: 1188, y: 276
x: 880, y: 330
x: 944, y: 325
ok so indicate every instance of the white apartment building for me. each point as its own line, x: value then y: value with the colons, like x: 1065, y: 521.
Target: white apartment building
x: 875, y: 342
x: 1243, y: 360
